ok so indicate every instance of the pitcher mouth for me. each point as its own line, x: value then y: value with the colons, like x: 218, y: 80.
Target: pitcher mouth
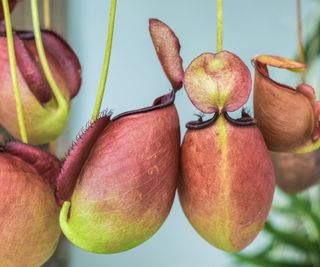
x: 72, y: 167
x: 23, y: 35
x: 159, y: 103
x: 244, y: 120
x: 31, y: 68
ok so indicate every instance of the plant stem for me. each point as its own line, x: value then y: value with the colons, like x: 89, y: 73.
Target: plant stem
x: 300, y: 38
x: 106, y: 64
x: 47, y: 14
x: 62, y: 103
x: 13, y: 69
x: 220, y: 25
x: 47, y: 26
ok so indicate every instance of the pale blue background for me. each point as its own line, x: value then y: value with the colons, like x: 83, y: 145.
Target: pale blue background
x: 136, y: 78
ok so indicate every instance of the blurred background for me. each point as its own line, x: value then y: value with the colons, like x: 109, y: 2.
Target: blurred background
x: 251, y: 27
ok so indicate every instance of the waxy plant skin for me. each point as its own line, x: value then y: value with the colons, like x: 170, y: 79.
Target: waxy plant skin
x: 44, y: 116
x: 288, y: 118
x: 29, y: 214
x: 119, y: 179
x: 126, y: 186
x: 227, y: 178
x: 227, y: 182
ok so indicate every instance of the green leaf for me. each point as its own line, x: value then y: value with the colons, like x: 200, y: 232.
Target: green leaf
x: 294, y: 240
x: 267, y: 262
x: 301, y: 215
x: 312, y: 46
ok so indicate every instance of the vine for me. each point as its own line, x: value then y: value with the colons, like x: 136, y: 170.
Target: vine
x: 13, y: 69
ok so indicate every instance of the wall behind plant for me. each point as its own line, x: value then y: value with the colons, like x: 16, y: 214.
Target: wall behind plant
x: 136, y: 78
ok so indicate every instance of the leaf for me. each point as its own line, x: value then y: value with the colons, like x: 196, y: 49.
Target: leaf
x: 280, y: 62
x: 267, y: 262
x: 218, y: 82
x: 295, y: 240
x: 167, y: 47
x: 312, y: 46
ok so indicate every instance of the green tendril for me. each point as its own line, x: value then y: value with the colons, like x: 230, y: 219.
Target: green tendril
x: 106, y: 63
x: 13, y: 69
x: 47, y: 14
x: 62, y: 102
x: 220, y: 25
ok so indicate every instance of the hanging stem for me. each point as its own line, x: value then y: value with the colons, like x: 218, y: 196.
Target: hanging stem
x: 220, y: 25
x: 47, y: 14
x: 13, y: 69
x: 62, y: 103
x: 47, y: 26
x: 300, y: 37
x: 106, y: 63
